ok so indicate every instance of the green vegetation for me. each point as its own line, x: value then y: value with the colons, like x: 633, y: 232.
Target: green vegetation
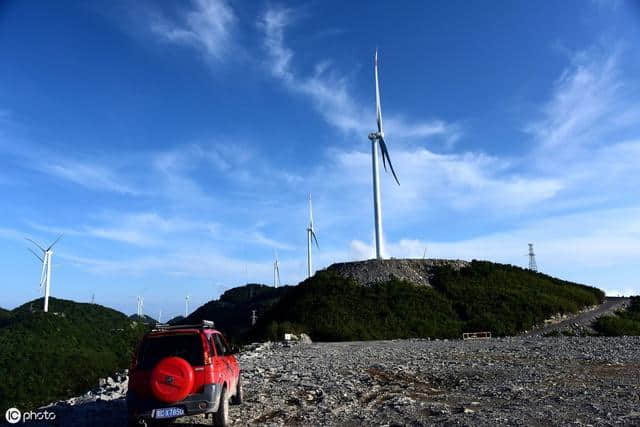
x: 175, y: 320
x: 146, y: 319
x: 502, y: 299
x: 625, y: 322
x: 231, y: 313
x: 54, y: 355
x: 331, y: 308
x: 506, y: 300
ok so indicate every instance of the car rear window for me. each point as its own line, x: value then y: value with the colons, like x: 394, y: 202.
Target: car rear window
x: 156, y: 348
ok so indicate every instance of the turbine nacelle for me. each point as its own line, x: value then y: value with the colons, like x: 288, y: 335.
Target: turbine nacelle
x: 375, y: 136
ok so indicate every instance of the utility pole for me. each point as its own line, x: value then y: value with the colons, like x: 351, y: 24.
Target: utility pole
x: 532, y: 259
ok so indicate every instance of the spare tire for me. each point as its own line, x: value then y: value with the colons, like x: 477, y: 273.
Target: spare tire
x: 171, y: 379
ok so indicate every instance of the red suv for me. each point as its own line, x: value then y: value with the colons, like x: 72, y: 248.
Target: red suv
x: 182, y: 370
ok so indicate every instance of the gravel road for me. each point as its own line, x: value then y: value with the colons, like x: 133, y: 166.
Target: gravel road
x: 515, y: 381
x: 581, y: 324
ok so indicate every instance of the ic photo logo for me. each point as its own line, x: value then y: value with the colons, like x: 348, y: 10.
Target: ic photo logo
x: 13, y: 415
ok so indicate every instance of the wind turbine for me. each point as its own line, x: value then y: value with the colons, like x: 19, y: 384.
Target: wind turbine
x: 186, y: 305
x: 140, y: 309
x: 45, y: 276
x: 310, y: 235
x: 276, y: 272
x: 378, y: 138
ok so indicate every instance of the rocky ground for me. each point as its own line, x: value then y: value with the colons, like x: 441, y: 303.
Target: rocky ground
x: 522, y: 381
x: 417, y: 271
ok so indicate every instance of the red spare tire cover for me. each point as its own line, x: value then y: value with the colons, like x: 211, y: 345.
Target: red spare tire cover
x: 171, y: 379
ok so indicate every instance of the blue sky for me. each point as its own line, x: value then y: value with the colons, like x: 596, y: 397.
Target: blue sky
x: 174, y: 144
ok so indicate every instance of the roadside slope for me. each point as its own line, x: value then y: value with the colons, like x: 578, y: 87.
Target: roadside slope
x: 580, y: 323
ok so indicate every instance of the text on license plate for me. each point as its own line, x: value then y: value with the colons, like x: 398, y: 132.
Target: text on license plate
x: 168, y: 412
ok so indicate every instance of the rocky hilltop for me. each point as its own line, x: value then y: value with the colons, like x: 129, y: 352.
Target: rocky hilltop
x: 418, y: 271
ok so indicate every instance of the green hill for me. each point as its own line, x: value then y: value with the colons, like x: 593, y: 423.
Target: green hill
x: 49, y: 356
x: 624, y: 322
x: 231, y: 313
x: 146, y: 319
x: 484, y: 296
x: 175, y: 320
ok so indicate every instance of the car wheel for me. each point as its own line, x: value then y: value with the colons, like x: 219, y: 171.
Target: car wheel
x: 221, y: 417
x: 239, y: 396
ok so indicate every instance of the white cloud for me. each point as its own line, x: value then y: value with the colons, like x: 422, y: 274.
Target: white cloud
x: 588, y: 101
x: 140, y: 229
x: 261, y: 239
x: 454, y: 181
x: 207, y: 26
x: 9, y: 233
x: 329, y: 92
x: 592, y: 247
x: 92, y: 176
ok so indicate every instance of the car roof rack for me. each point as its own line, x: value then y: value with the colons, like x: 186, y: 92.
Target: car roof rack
x: 205, y: 324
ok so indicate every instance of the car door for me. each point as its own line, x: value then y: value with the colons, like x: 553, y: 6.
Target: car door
x: 231, y: 359
x: 226, y: 369
x: 219, y: 366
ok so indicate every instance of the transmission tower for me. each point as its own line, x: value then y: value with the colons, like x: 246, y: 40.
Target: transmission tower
x: 532, y: 259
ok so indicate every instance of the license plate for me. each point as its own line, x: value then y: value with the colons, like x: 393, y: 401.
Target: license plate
x: 168, y: 412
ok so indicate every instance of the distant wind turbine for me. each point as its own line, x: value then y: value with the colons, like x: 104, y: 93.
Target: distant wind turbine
x: 186, y: 305
x: 276, y: 272
x: 310, y: 235
x: 45, y: 276
x: 140, y: 309
x: 378, y: 137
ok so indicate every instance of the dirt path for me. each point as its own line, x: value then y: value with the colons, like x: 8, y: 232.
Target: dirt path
x: 585, y: 319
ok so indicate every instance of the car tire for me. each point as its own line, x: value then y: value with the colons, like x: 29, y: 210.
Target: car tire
x: 221, y: 417
x: 239, y: 396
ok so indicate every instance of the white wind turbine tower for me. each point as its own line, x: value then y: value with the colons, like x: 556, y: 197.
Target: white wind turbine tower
x: 276, y: 272
x: 186, y: 305
x: 140, y: 309
x: 45, y: 276
x: 310, y: 235
x: 378, y: 137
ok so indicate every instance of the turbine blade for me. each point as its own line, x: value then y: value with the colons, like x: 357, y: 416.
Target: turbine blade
x: 35, y: 254
x: 378, y: 106
x: 35, y: 243
x: 385, y: 152
x: 384, y: 158
x: 310, y: 212
x: 56, y: 241
x: 313, y: 235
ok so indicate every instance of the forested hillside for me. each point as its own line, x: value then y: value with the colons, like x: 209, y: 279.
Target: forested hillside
x: 47, y: 356
x: 483, y: 296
